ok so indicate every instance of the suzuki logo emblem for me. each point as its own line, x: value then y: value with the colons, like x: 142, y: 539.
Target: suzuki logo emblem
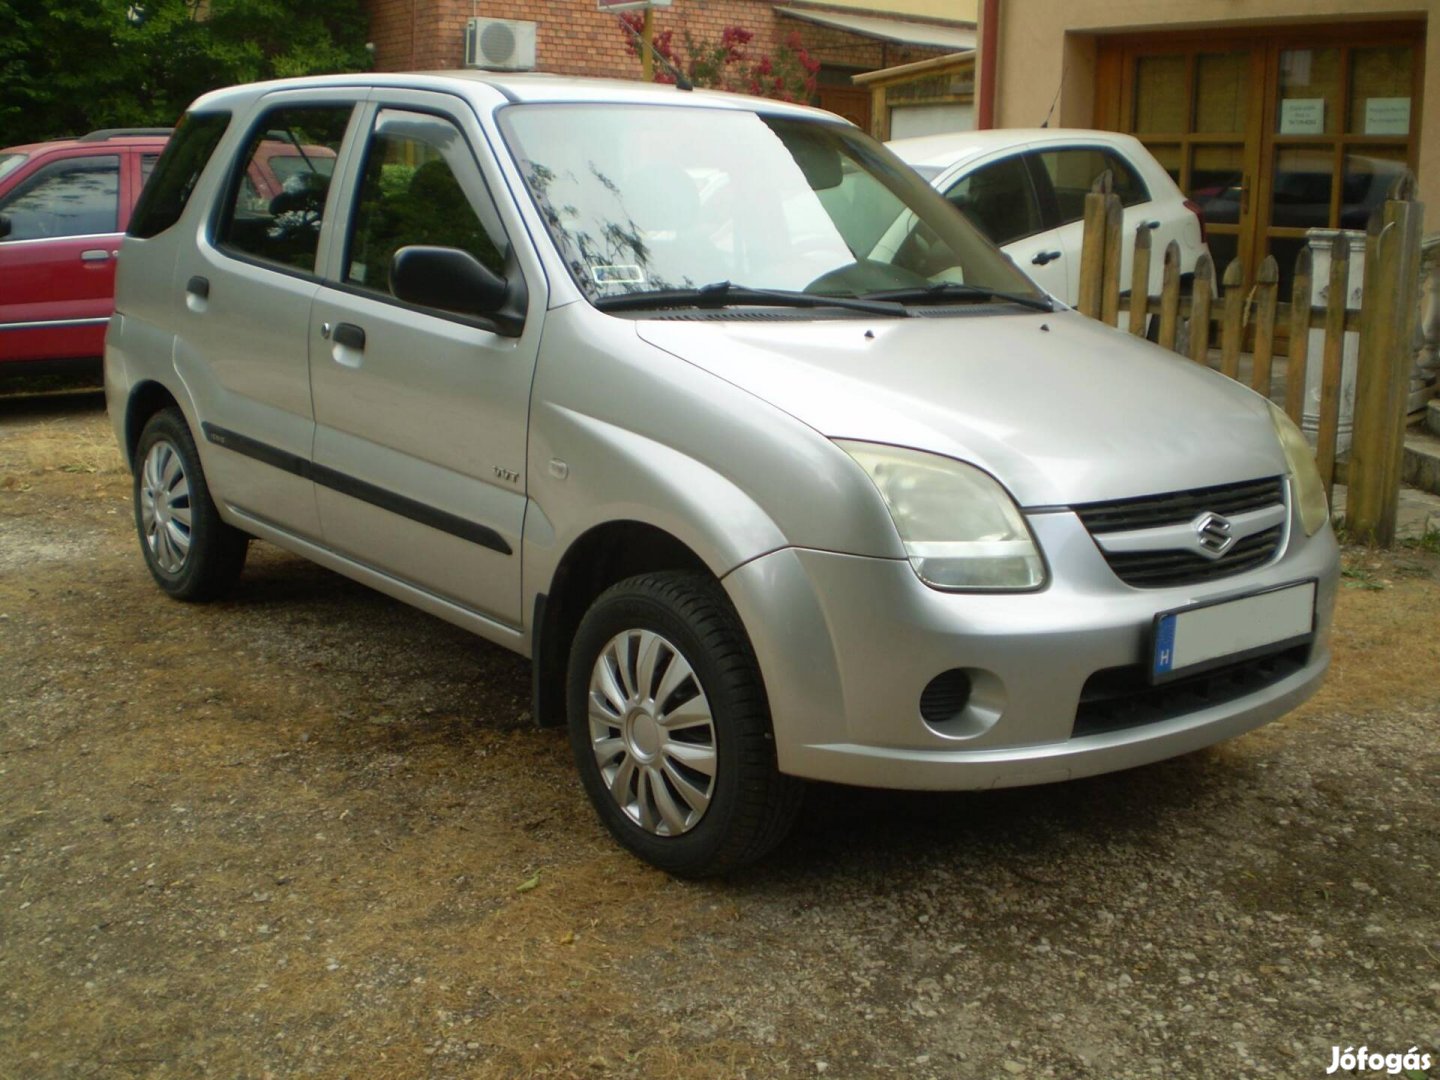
x: 1212, y: 533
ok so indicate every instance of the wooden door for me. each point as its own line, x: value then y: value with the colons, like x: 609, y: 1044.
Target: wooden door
x: 850, y: 102
x: 1271, y: 133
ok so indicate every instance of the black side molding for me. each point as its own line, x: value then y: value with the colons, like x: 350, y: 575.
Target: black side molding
x: 345, y: 484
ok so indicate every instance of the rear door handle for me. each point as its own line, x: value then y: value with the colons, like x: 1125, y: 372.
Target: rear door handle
x: 1152, y: 224
x: 199, y: 287
x: 1046, y: 257
x: 349, y: 335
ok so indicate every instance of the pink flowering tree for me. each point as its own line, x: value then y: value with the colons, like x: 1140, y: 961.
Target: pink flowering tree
x: 729, y: 62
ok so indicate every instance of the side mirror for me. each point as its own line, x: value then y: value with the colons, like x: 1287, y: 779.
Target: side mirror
x: 448, y: 279
x: 5, y: 226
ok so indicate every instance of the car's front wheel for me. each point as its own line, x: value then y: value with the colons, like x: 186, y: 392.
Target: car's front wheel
x: 671, y: 730
x: 192, y: 554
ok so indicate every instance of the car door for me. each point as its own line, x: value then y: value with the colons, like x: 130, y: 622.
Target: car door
x: 57, y: 260
x: 999, y: 198
x: 247, y: 287
x: 1066, y: 174
x: 421, y: 414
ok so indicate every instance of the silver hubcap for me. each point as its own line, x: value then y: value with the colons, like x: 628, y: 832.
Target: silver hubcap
x: 165, y: 507
x: 652, y: 733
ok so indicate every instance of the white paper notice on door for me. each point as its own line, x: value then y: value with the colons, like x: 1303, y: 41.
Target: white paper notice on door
x: 1387, y: 116
x: 1302, y: 116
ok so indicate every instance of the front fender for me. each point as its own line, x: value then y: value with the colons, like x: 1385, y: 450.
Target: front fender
x: 602, y: 473
x: 621, y: 430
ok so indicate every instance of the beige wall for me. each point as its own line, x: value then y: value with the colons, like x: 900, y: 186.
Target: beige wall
x: 949, y: 10
x: 1034, y: 53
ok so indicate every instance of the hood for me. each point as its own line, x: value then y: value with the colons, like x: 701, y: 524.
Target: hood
x: 1059, y: 408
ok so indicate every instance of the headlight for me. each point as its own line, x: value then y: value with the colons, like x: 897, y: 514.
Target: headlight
x: 1309, y: 491
x: 960, y: 528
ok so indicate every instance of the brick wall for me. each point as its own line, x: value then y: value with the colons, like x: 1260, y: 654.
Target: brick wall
x: 573, y: 38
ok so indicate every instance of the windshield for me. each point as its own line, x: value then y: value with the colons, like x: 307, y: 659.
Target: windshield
x: 9, y: 163
x: 654, y: 199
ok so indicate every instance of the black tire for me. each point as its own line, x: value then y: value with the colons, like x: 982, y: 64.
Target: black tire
x: 194, y: 560
x: 751, y: 805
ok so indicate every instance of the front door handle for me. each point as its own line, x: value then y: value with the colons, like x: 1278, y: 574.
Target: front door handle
x: 96, y: 255
x: 198, y: 287
x: 1046, y: 257
x: 349, y: 335
x: 1152, y: 224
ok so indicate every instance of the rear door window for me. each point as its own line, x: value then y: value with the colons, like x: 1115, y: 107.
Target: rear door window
x: 78, y: 196
x: 276, y: 205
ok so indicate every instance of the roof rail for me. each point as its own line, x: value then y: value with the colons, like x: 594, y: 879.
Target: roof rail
x: 122, y: 133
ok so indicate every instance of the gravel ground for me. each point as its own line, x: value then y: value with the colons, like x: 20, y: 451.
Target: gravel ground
x: 310, y: 832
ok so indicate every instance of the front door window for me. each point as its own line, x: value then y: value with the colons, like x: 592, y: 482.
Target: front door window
x: 420, y: 185
x: 75, y: 197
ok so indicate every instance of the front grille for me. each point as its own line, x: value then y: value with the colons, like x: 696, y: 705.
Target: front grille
x: 1181, y: 566
x: 1119, y: 698
x: 1151, y: 511
x: 1160, y: 569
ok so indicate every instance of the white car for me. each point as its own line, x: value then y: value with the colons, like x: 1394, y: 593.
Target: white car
x: 1025, y: 189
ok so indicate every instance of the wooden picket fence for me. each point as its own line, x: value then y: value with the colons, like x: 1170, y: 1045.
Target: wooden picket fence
x: 1385, y: 323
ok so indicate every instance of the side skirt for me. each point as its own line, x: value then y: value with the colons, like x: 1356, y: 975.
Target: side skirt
x: 512, y: 638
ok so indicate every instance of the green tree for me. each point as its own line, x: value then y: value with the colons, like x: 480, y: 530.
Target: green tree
x: 70, y: 66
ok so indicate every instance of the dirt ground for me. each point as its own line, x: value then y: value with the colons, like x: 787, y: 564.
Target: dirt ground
x: 310, y: 832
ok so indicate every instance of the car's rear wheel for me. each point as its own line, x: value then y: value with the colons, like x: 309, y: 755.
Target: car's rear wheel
x: 192, y: 554
x: 671, y: 730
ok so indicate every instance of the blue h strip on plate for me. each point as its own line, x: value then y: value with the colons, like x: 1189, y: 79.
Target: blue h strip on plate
x: 1165, y: 645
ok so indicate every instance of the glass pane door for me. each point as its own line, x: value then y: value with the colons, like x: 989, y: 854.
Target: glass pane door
x: 1274, y: 133
x: 1195, y: 110
x: 1337, y: 141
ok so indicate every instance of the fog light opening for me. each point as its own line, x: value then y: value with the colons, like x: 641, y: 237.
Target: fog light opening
x: 962, y: 703
x: 946, y: 696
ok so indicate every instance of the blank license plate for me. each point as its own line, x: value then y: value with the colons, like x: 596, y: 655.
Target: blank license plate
x: 1192, y: 639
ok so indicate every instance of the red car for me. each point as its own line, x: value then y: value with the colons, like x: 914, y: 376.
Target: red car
x: 64, y: 206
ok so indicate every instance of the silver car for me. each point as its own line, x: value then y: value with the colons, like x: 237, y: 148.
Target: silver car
x: 646, y: 386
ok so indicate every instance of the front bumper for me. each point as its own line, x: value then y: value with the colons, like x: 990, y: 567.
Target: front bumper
x: 847, y: 645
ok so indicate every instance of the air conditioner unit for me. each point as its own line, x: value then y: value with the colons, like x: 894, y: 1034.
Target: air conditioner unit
x: 500, y: 44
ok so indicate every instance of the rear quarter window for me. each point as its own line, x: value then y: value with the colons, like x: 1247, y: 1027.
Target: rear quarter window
x: 177, y: 172
x: 1073, y: 172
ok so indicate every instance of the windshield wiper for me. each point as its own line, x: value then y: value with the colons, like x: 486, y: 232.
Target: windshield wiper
x: 719, y: 294
x: 952, y: 290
